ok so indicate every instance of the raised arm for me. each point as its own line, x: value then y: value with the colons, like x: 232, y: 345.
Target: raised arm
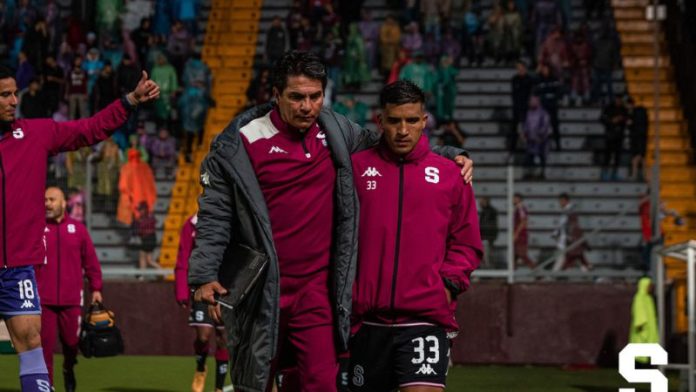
x: 71, y: 135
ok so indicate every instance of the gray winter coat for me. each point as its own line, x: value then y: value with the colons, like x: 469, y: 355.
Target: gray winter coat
x: 232, y: 209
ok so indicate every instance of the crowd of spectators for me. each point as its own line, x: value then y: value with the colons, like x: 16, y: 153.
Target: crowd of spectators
x: 429, y: 41
x: 74, y: 58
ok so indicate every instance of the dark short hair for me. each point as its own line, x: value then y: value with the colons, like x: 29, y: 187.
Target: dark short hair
x: 297, y: 63
x: 518, y: 195
x: 5, y: 72
x: 564, y: 196
x: 401, y: 92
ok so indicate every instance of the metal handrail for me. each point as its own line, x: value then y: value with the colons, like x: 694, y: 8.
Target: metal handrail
x: 578, y: 242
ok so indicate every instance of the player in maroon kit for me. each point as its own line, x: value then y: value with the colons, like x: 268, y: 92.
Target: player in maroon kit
x: 70, y: 255
x: 279, y: 181
x: 419, y: 243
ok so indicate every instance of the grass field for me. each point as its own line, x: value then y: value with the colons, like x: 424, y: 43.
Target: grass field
x: 170, y: 374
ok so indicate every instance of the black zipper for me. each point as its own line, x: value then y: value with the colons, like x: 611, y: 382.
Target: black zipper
x: 304, y: 146
x: 4, y: 215
x: 398, y: 235
x: 58, y: 248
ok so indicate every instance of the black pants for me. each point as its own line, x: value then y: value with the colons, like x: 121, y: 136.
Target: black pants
x: 612, y: 149
x: 555, y: 126
x: 518, y: 116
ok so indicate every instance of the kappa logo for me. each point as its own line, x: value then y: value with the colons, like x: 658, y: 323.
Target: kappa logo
x: 18, y: 133
x: 427, y: 370
x: 322, y: 136
x: 371, y: 172
x: 71, y: 228
x: 277, y: 150
x: 26, y: 304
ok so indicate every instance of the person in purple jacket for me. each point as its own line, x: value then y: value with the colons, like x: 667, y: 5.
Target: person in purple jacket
x: 25, y: 145
x: 419, y: 243
x: 199, y: 318
x: 69, y: 251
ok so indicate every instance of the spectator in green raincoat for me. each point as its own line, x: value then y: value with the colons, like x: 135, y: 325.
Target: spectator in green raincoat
x: 420, y: 73
x: 643, y: 317
x: 355, y: 111
x: 446, y: 91
x: 165, y: 76
x: 355, y: 70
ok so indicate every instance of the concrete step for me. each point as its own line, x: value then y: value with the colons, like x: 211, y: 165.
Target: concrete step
x: 599, y: 190
x: 607, y: 240
x: 553, y: 173
x: 554, y: 158
x: 610, y: 257
x: 548, y: 204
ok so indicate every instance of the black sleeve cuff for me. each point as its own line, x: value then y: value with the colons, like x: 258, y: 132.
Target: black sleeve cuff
x: 126, y: 104
x: 453, y: 288
x: 464, y: 153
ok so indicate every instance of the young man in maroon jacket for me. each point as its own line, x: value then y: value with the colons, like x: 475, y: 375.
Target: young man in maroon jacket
x: 25, y: 146
x: 69, y: 252
x: 419, y: 243
x: 199, y: 318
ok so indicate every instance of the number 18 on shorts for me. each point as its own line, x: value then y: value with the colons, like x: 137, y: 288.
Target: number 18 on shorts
x: 384, y: 358
x: 18, y: 292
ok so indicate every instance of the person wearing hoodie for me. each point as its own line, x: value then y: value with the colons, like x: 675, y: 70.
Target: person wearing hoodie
x: 419, y: 243
x: 136, y: 184
x: 536, y: 131
x: 70, y: 257
x: 643, y: 317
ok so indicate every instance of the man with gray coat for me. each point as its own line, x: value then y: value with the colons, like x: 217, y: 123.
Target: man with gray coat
x: 278, y: 180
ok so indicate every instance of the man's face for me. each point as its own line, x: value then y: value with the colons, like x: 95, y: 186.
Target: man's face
x: 300, y: 102
x: 516, y: 200
x: 521, y: 69
x: 8, y: 99
x: 402, y: 126
x: 54, y: 201
x: 563, y: 202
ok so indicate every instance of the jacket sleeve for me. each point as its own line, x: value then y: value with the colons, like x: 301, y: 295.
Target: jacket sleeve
x: 356, y: 137
x: 449, y: 152
x: 214, y: 227
x: 181, y: 288
x: 90, y: 262
x: 71, y: 135
x: 464, y: 249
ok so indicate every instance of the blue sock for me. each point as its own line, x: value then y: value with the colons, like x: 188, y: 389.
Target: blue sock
x: 33, y: 374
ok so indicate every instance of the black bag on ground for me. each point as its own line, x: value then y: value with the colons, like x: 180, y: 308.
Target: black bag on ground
x: 99, y: 336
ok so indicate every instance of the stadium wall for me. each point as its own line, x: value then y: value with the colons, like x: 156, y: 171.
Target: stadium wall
x: 539, y: 323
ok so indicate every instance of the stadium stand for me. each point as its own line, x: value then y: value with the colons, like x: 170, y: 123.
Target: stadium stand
x: 483, y: 111
x: 228, y: 50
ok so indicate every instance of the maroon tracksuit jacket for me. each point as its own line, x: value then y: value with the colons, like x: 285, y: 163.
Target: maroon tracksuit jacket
x: 418, y: 233
x: 297, y: 179
x: 24, y: 150
x: 186, y: 241
x: 69, y: 252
